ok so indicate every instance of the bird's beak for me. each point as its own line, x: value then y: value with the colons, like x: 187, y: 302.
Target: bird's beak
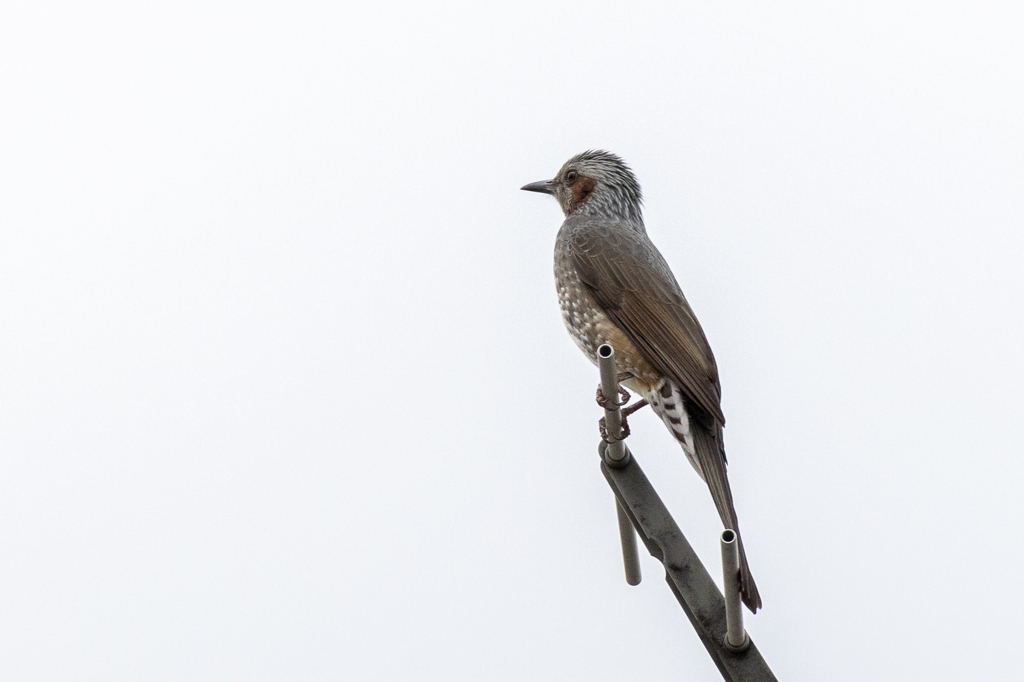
x: 544, y: 187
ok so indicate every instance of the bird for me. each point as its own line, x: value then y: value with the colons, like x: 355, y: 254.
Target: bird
x: 615, y: 287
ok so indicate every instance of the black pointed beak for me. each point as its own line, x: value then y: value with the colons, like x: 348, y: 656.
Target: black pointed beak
x: 544, y: 187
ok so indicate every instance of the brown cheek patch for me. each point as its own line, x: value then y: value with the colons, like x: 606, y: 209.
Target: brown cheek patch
x: 581, y: 190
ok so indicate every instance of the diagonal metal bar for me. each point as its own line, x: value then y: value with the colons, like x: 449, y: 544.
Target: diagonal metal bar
x: 686, y: 576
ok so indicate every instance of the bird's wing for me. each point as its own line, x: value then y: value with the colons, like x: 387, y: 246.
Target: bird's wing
x: 633, y: 284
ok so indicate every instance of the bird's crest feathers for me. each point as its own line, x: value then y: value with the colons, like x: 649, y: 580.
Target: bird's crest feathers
x: 617, y: 192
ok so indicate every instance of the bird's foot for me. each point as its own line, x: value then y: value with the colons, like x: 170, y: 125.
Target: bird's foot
x: 603, y: 427
x: 609, y: 404
x: 626, y: 411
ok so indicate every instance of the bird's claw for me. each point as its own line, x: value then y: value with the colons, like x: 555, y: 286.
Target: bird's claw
x: 605, y: 402
x: 603, y: 427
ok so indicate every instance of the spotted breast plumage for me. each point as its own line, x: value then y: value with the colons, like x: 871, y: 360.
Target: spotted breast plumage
x: 615, y: 287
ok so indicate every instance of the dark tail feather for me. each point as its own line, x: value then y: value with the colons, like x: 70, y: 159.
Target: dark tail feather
x: 711, y: 455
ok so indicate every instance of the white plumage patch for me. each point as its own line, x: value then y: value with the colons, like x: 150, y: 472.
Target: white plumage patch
x: 667, y: 402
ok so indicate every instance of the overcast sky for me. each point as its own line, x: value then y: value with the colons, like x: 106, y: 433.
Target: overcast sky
x: 284, y: 389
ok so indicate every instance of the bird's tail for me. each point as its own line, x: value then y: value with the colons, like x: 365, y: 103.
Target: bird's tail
x: 701, y: 440
x: 711, y: 456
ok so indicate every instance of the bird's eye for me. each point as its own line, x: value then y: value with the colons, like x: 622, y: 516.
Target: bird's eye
x: 571, y: 176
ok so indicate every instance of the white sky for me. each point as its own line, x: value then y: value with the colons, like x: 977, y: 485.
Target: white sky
x: 284, y: 390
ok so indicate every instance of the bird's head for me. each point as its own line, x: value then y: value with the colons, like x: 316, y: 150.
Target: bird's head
x: 595, y: 182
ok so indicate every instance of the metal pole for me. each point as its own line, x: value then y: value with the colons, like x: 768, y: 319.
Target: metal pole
x: 630, y: 554
x: 735, y: 637
x: 616, y: 451
x: 616, y: 455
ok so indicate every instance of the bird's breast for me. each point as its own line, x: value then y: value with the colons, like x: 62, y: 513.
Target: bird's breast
x: 590, y: 327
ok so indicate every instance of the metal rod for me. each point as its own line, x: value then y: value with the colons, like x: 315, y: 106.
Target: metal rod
x: 630, y: 554
x: 617, y: 454
x: 616, y: 451
x: 735, y: 637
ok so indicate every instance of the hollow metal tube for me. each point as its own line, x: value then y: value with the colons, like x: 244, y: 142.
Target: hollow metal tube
x: 735, y: 637
x: 616, y: 454
x: 610, y: 388
x: 630, y: 555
